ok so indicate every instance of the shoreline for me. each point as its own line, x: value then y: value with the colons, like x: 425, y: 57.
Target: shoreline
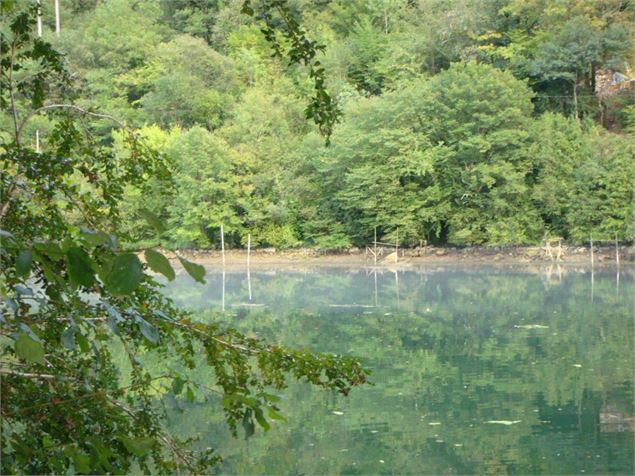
x: 604, y: 256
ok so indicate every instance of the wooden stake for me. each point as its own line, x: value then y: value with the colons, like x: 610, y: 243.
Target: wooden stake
x: 397, y: 247
x: 248, y: 249
x: 617, y: 251
x: 548, y: 248
x: 375, y: 253
x: 222, y: 244
x: 591, y: 238
x: 57, y: 17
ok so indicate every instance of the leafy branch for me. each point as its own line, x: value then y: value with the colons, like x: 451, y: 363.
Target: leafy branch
x: 72, y: 297
x: 298, y: 49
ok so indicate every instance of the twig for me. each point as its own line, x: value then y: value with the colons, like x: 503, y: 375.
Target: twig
x: 5, y: 371
x: 67, y: 106
x: 220, y: 341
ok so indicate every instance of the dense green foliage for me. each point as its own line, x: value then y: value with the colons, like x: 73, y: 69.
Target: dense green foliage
x: 460, y: 122
x: 78, y: 315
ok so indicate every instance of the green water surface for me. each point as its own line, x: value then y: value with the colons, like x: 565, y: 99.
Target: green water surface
x: 476, y: 370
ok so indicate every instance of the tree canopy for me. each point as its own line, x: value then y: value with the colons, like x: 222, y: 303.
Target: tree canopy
x: 455, y: 122
x: 437, y: 113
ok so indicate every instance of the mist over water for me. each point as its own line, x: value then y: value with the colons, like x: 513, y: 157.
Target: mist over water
x: 475, y: 369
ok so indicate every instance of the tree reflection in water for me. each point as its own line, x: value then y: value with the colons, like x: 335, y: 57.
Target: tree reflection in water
x: 476, y: 370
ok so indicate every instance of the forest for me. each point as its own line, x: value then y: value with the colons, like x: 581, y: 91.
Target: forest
x: 128, y: 127
x: 459, y: 122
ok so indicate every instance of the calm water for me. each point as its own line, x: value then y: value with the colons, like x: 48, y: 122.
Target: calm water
x: 476, y: 370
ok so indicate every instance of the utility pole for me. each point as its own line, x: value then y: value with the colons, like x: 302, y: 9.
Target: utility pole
x: 57, y: 17
x: 39, y: 18
x: 39, y: 34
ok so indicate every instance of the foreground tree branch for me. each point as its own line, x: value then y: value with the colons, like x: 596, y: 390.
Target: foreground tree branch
x: 72, y: 298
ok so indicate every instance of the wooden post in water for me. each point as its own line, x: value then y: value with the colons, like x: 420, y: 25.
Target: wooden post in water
x: 222, y: 244
x: 248, y: 264
x: 591, y: 240
x: 397, y: 247
x: 617, y: 251
x: 57, y: 17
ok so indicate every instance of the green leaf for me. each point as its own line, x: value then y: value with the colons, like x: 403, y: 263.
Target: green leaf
x: 248, y: 424
x: 68, y: 338
x: 81, y: 461
x: 101, y: 454
x: 159, y: 263
x: 148, y: 330
x: 195, y: 270
x: 137, y: 446
x: 29, y: 349
x: 80, y: 267
x: 189, y: 394
x: 23, y: 263
x: 260, y: 418
x: 94, y: 238
x: 49, y: 248
x: 274, y: 415
x: 177, y: 385
x: 245, y: 400
x: 84, y: 346
x: 271, y: 398
x: 153, y: 220
x: 250, y: 402
x: 126, y: 272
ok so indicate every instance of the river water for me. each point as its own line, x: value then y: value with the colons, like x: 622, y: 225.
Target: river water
x: 475, y: 369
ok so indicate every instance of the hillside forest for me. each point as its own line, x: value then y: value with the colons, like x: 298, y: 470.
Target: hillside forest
x: 461, y: 122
